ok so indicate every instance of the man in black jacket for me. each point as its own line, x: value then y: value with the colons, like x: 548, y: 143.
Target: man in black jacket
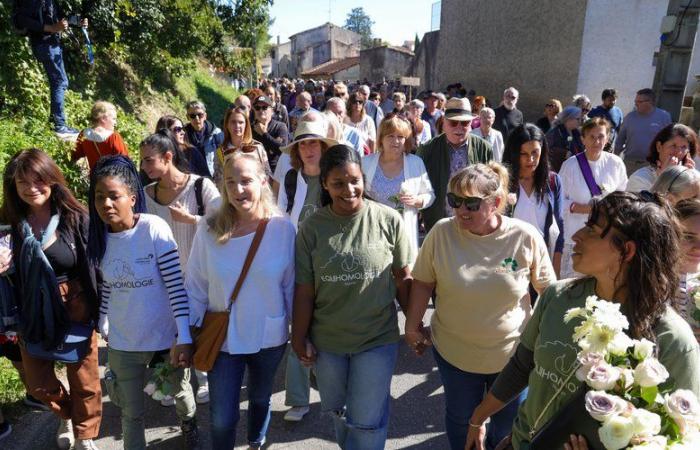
x: 508, y: 116
x: 272, y: 134
x: 44, y: 21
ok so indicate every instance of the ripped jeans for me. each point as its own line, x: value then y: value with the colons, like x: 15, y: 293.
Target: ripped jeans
x: 354, y: 388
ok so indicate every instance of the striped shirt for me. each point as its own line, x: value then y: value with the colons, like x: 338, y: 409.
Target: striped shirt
x: 144, y: 303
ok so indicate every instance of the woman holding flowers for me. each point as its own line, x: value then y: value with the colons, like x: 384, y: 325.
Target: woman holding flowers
x: 627, y: 252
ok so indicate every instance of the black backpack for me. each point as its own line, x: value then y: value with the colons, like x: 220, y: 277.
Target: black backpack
x: 201, y: 208
x: 290, y: 187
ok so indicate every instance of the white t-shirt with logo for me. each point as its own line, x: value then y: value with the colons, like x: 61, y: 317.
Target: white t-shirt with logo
x: 144, y: 302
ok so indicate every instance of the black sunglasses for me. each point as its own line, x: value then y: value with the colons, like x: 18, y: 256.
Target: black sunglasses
x: 178, y: 129
x: 472, y: 203
x: 358, y: 102
x: 260, y: 107
x: 195, y: 115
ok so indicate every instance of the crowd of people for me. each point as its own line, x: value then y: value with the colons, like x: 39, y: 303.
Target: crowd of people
x: 330, y: 207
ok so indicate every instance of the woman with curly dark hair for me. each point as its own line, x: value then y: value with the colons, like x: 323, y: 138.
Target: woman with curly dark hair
x: 628, y: 251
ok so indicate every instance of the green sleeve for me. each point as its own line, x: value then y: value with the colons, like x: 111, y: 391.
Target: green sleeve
x: 679, y: 352
x: 303, y: 262
x: 529, y: 337
x: 402, y: 249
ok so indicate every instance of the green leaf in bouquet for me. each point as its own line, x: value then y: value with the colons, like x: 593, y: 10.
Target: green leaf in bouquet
x: 696, y: 315
x: 166, y: 387
x: 649, y: 394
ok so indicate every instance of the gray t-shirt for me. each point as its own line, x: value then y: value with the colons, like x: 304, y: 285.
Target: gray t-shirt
x: 637, y: 132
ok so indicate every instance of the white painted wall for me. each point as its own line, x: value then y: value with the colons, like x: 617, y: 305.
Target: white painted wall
x: 619, y: 41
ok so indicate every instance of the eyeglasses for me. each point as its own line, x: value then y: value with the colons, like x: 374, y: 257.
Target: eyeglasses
x: 260, y: 107
x: 454, y: 123
x: 178, y: 129
x: 195, y: 115
x: 357, y: 102
x: 472, y: 203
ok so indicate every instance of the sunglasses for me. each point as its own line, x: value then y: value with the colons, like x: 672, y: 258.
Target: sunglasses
x: 260, y: 107
x: 357, y: 102
x: 195, y: 115
x: 177, y: 129
x: 454, y: 123
x: 472, y: 203
x: 549, y: 105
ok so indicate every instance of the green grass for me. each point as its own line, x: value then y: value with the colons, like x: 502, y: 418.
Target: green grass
x: 11, y: 390
x: 216, y: 94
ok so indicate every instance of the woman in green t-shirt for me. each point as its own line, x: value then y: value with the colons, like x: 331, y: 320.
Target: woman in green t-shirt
x: 628, y: 252
x: 352, y: 261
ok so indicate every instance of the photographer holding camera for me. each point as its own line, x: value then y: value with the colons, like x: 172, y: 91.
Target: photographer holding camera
x: 43, y: 21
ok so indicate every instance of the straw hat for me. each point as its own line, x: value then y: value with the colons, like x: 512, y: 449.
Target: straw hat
x: 307, y: 131
x: 458, y: 109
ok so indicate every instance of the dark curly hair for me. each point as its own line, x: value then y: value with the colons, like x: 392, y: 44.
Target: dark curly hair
x: 651, y: 276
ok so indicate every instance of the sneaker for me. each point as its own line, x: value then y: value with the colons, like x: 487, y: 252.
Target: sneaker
x: 168, y: 400
x: 202, y: 396
x: 65, y: 130
x: 64, y: 436
x: 296, y: 413
x: 191, y: 434
x: 85, y: 444
x: 34, y: 403
x: 5, y: 429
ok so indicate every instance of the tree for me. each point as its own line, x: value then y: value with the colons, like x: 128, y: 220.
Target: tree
x: 359, y: 22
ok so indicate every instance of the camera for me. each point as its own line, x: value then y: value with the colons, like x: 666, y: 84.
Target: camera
x: 73, y: 20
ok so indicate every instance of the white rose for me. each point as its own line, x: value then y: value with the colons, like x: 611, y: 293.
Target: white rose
x: 608, y: 314
x: 616, y: 432
x: 650, y: 372
x: 645, y: 423
x: 649, y: 443
x: 150, y: 388
x: 601, y: 406
x: 628, y: 377
x: 619, y: 345
x: 643, y: 349
x: 683, y: 407
x: 512, y: 199
x: 602, y: 376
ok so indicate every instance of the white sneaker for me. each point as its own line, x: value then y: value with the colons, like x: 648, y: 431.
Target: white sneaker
x: 85, y: 444
x: 168, y: 400
x: 202, y: 396
x: 64, y: 435
x: 296, y: 413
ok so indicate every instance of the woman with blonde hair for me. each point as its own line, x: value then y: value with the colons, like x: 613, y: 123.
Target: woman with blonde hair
x: 397, y: 178
x: 677, y: 183
x: 479, y: 263
x: 256, y: 336
x: 102, y: 139
x: 238, y: 137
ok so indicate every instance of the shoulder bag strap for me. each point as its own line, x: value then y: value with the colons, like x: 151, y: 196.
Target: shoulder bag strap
x: 198, y: 187
x: 259, y: 232
x: 587, y: 174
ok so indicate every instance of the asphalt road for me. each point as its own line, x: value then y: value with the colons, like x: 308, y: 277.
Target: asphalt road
x: 417, y: 417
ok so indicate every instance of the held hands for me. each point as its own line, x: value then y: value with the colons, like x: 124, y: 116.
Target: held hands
x: 576, y: 443
x: 418, y: 340
x: 181, y: 355
x: 475, y: 437
x: 260, y: 127
x: 5, y: 259
x: 305, y: 350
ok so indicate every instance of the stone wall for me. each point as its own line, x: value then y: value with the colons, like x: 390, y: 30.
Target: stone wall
x: 321, y: 44
x: 384, y: 63
x: 533, y: 45
x: 424, y: 65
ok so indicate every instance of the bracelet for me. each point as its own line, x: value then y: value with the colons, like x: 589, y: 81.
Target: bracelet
x: 474, y: 425
x: 571, y: 208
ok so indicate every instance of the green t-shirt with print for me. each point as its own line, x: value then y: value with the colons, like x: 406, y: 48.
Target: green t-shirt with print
x: 312, y: 201
x: 550, y: 339
x: 349, y: 260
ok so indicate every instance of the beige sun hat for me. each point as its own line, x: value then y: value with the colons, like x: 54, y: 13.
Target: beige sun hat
x: 458, y: 109
x: 307, y: 131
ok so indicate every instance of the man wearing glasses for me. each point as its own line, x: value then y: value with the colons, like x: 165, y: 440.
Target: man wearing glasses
x: 272, y: 134
x: 202, y: 134
x: 508, y: 116
x: 638, y: 129
x: 446, y: 154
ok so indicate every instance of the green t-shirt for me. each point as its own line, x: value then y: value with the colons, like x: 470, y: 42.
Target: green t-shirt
x: 550, y: 339
x: 349, y: 260
x: 312, y: 201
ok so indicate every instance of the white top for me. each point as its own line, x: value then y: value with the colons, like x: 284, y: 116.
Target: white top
x: 144, y: 303
x: 609, y: 173
x: 642, y: 179
x: 284, y: 163
x: 184, y: 232
x: 425, y: 135
x: 531, y: 210
x: 365, y: 126
x: 495, y: 138
x: 261, y: 313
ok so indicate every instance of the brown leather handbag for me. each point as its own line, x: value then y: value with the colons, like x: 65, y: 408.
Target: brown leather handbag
x: 210, y: 337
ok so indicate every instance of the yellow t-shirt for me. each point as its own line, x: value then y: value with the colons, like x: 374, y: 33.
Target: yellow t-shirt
x: 482, y: 302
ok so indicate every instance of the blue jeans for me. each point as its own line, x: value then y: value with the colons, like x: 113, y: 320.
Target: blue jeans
x: 225, y: 380
x: 354, y: 388
x: 297, y: 382
x: 50, y: 55
x: 463, y: 393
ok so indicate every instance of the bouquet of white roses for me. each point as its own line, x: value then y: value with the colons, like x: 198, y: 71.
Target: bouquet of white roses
x: 624, y: 377
x: 159, y: 385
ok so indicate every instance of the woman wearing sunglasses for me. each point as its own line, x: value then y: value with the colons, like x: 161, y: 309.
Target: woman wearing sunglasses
x: 357, y: 118
x: 197, y: 163
x: 479, y: 263
x: 676, y: 144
